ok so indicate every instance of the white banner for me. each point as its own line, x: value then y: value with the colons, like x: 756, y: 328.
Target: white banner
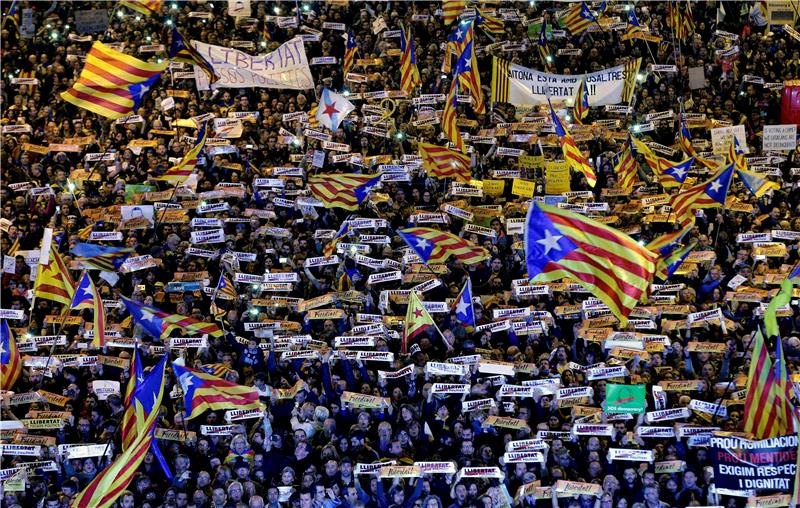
x: 522, y: 86
x: 286, y: 67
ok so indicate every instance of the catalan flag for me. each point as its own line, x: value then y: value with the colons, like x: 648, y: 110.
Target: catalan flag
x: 330, y: 248
x: 625, y: 165
x: 667, y: 266
x: 708, y: 194
x: 489, y: 23
x: 342, y: 190
x: 183, y: 169
x: 629, y: 84
x: 580, y: 109
x: 10, y: 362
x: 612, y: 266
x: 451, y: 9
x: 578, y: 18
x: 463, y: 305
x: 225, y: 288
x: 13, y: 16
x: 417, y: 321
x: 53, y: 281
x: 633, y: 27
x: 666, y: 243
x: 435, y: 247
x: 109, y: 259
x: 469, y: 77
x: 544, y: 51
x: 350, y: 49
x: 202, y: 391
x: 158, y: 323
x: 87, y: 297
x: 108, y: 485
x: 680, y: 19
x: 450, y: 117
x: 85, y: 232
x: 675, y: 175
x: 136, y: 373
x: 181, y: 50
x: 765, y: 403
x: 409, y: 74
x: 787, y: 411
x: 12, y: 251
x: 112, y: 84
x: 654, y: 162
x: 216, y: 369
x: 441, y: 162
x: 572, y: 154
x: 142, y: 404
x: 146, y: 7
x: 755, y: 183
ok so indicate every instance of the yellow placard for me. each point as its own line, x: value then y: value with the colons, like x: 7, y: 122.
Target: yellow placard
x: 523, y: 188
x: 556, y: 174
x: 494, y: 187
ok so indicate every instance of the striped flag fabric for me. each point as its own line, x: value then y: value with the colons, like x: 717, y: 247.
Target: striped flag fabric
x: 202, y: 392
x: 146, y: 7
x: 417, y: 321
x: 708, y: 194
x: 611, y: 265
x: 136, y: 373
x: 654, y: 162
x: 181, y: 50
x: 675, y: 175
x: 53, y: 281
x: 580, y: 109
x: 435, y: 247
x: 463, y: 306
x: 10, y: 361
x: 680, y: 19
x: 87, y: 297
x: 451, y: 9
x: 764, y: 414
x: 343, y: 190
x: 409, y: 74
x: 441, y: 162
x: 666, y: 243
x: 625, y: 166
x: 755, y: 183
x: 350, y: 49
x: 225, y: 288
x: 141, y: 404
x: 685, y: 141
x: 216, y: 369
x: 666, y: 267
x: 469, y: 77
x: 183, y: 169
x: 450, y: 116
x: 109, y: 259
x: 633, y: 27
x: 158, y: 323
x: 578, y: 18
x: 544, y: 51
x: 489, y: 23
x: 629, y: 83
x: 109, y: 483
x: 572, y: 153
x: 112, y: 84
x: 330, y: 248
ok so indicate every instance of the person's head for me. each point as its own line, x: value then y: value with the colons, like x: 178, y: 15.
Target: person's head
x: 651, y: 494
x: 218, y: 496
x: 689, y: 479
x: 127, y: 499
x: 235, y: 491
x: 306, y: 499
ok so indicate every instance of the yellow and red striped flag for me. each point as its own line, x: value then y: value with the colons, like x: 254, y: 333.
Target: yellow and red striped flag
x: 202, y: 391
x: 183, y: 169
x: 450, y: 117
x: 451, y: 9
x: 350, y: 49
x: 764, y: 416
x: 10, y: 362
x: 713, y: 192
x: 489, y: 23
x: 578, y: 18
x: 53, y: 281
x: 409, y: 74
x: 344, y: 190
x: 330, y: 248
x: 146, y: 7
x: 441, y: 162
x: 625, y: 166
x: 225, y: 288
x: 417, y: 320
x: 572, y: 154
x: 435, y: 247
x: 611, y: 265
x: 581, y: 107
x: 107, y: 486
x: 112, y: 84
x: 87, y: 297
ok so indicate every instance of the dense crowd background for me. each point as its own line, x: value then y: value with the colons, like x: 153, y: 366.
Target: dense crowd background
x: 305, y: 450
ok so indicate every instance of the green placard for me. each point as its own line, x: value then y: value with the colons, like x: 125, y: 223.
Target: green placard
x: 625, y: 399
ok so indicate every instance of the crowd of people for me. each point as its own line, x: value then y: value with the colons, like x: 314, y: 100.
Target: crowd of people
x: 312, y: 446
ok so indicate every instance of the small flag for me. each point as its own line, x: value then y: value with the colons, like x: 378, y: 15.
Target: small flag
x: 441, y: 162
x: 332, y: 109
x: 182, y: 51
x: 434, y: 246
x: 225, y: 288
x: 330, y: 248
x: 674, y: 176
x: 87, y: 297
x: 463, y: 305
x: 417, y: 320
x: 343, y: 190
x: 146, y: 7
x: 572, y: 154
x: 580, y: 109
x: 351, y: 47
x: 158, y: 323
x: 578, y: 18
x: 181, y: 171
x: 666, y: 267
x: 450, y: 116
x: 625, y: 165
x: 451, y: 9
x: 489, y: 23
x: 109, y: 259
x: 409, y: 74
x: 53, y: 281
x: 10, y: 362
x: 202, y: 391
x: 708, y: 194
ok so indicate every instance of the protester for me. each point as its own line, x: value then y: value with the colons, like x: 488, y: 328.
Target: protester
x: 437, y: 394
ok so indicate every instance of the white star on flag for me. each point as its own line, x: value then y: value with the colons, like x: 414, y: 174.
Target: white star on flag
x: 422, y: 243
x: 147, y: 315
x: 462, y: 307
x: 716, y: 186
x: 550, y: 241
